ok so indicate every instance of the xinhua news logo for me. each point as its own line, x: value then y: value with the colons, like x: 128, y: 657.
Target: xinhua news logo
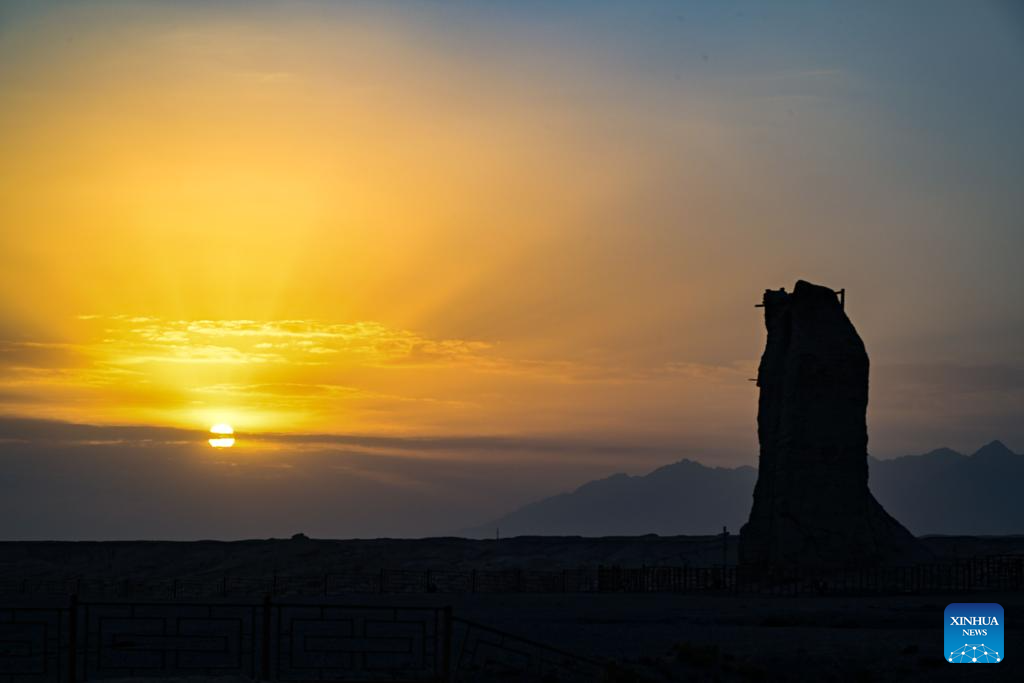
x: 974, y: 633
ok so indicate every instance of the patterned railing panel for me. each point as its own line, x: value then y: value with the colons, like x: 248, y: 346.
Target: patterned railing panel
x: 323, y: 642
x: 159, y: 639
x: 32, y: 644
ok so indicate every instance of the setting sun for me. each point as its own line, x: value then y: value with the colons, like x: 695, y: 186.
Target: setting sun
x: 224, y: 436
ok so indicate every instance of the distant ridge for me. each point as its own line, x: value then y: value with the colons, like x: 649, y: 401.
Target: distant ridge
x: 682, y: 498
x: 939, y: 492
x: 945, y: 492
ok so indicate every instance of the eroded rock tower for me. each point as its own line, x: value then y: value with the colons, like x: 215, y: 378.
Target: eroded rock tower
x: 812, y: 506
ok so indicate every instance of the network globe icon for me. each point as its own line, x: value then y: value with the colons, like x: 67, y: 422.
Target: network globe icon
x: 975, y: 653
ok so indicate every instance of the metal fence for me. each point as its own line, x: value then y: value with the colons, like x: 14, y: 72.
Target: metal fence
x: 34, y: 644
x: 484, y: 653
x: 86, y: 641
x: 997, y: 573
x: 131, y: 640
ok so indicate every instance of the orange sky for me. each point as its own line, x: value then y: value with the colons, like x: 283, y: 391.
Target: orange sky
x: 378, y: 221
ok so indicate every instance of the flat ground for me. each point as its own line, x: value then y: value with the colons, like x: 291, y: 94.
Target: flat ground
x: 736, y: 638
x: 680, y: 638
x: 258, y: 558
x: 667, y: 636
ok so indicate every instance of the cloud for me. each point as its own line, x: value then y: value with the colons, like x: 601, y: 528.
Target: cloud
x: 146, y: 365
x: 39, y: 431
x: 75, y: 481
x: 307, y: 375
x: 139, y: 340
x: 42, y: 431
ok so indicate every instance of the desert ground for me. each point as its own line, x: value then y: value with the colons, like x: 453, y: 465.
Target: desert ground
x: 660, y: 636
x: 693, y: 638
x: 305, y: 556
x: 737, y: 638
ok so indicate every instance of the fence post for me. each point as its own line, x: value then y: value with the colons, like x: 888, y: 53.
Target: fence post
x: 382, y: 580
x: 265, y: 645
x: 446, y: 643
x: 72, y: 637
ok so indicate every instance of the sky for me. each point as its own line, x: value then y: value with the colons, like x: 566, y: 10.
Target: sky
x: 441, y: 259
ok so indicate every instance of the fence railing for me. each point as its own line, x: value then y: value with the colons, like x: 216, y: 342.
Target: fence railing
x: 1000, y: 573
x: 35, y: 644
x: 485, y: 653
x: 85, y: 641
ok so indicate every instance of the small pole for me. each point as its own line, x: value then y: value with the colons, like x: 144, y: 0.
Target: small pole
x: 265, y: 645
x: 72, y: 637
x: 446, y: 643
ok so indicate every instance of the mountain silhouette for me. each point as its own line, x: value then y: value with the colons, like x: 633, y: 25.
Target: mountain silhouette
x: 944, y: 492
x: 939, y: 492
x: 682, y: 498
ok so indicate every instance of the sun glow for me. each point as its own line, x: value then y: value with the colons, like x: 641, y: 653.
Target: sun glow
x: 224, y: 436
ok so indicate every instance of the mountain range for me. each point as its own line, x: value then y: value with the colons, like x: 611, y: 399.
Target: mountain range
x: 940, y: 492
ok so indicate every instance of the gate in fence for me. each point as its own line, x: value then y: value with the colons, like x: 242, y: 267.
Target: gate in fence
x: 271, y: 641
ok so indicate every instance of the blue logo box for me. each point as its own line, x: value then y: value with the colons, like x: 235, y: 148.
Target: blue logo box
x: 973, y: 633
